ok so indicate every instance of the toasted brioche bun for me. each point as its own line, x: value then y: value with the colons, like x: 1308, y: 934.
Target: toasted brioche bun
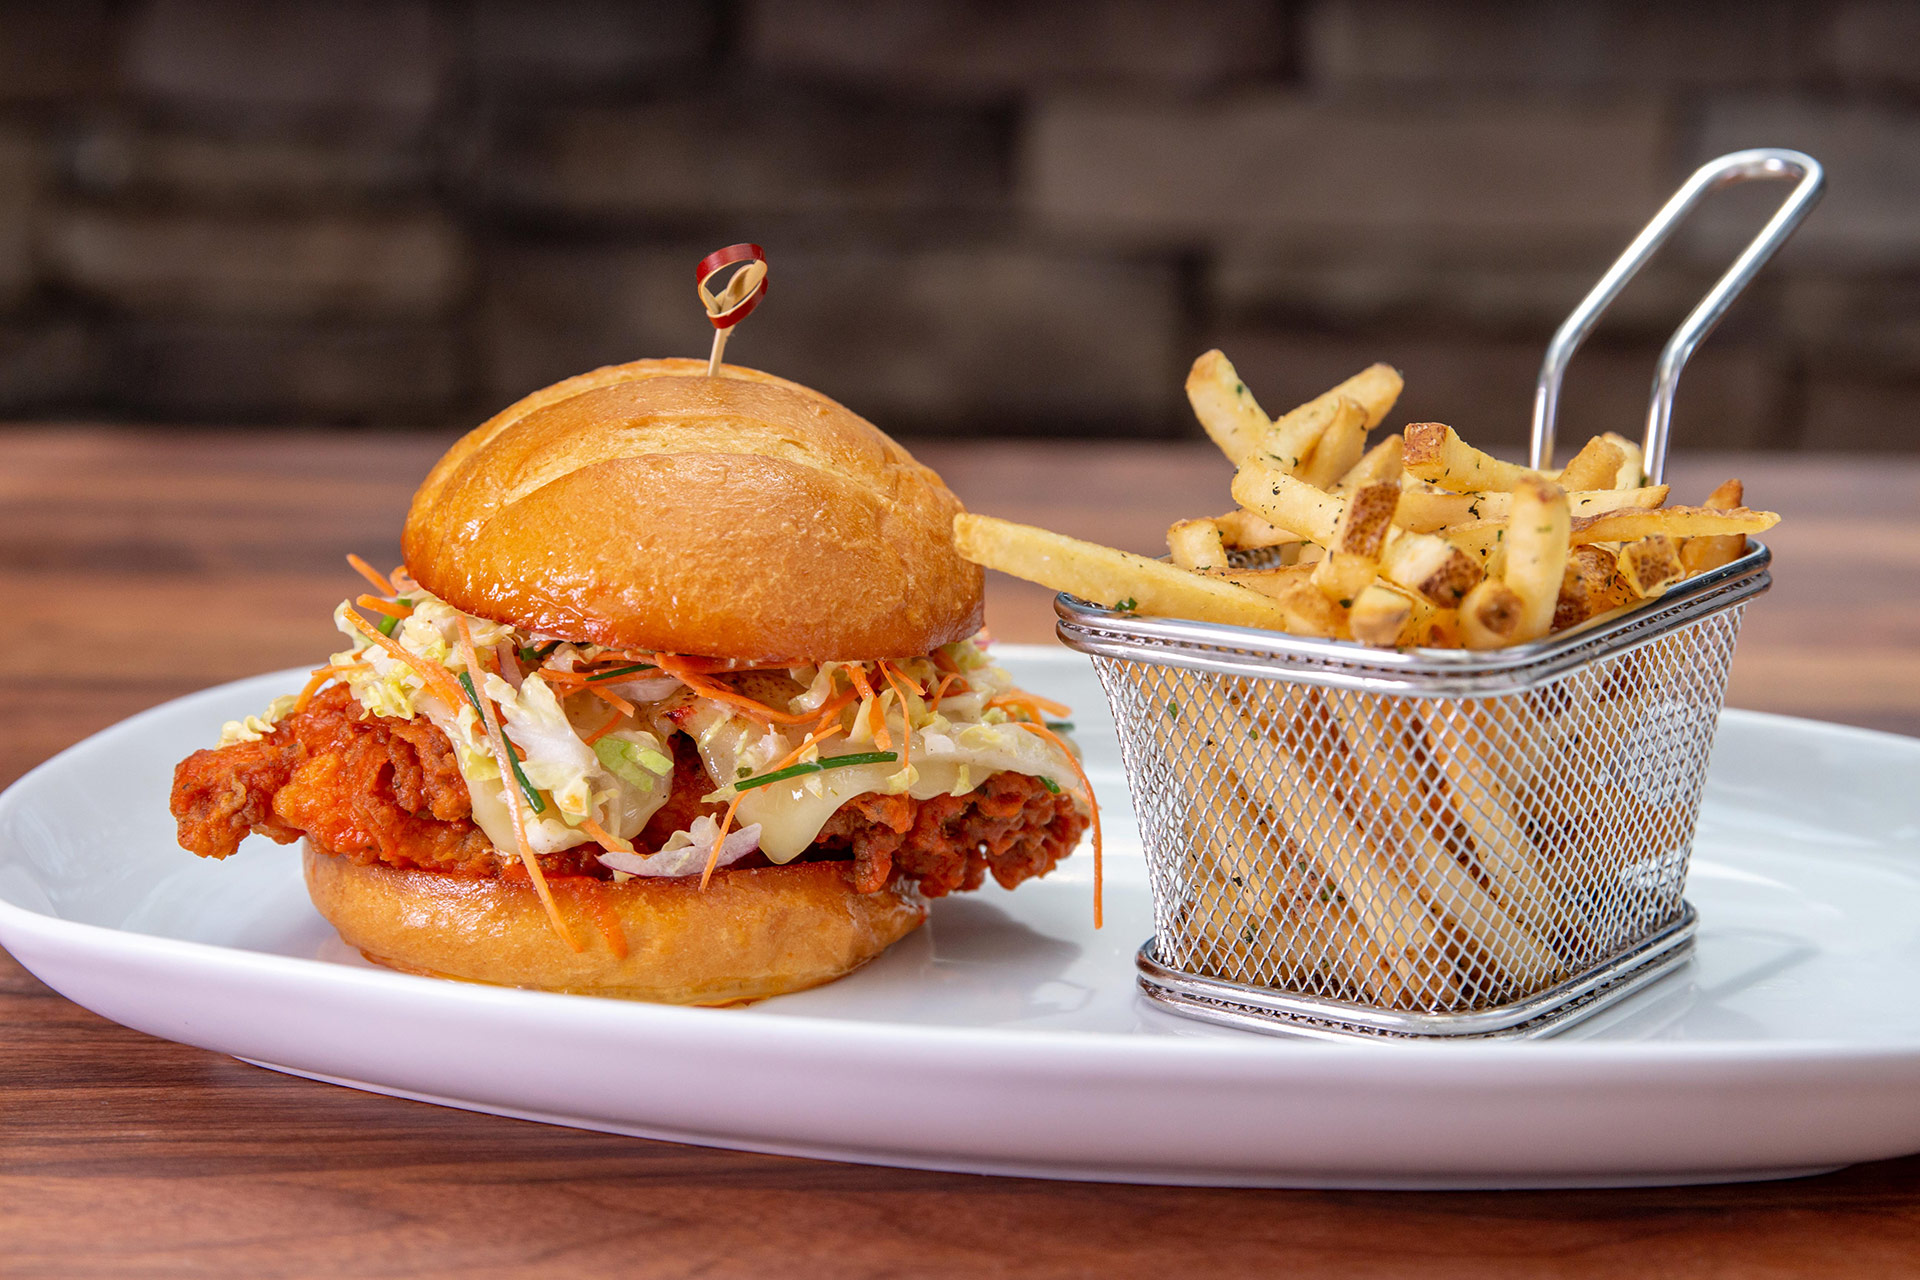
x: 648, y: 506
x: 747, y: 935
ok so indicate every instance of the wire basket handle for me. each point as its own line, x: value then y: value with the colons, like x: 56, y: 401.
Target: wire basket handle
x: 1771, y: 163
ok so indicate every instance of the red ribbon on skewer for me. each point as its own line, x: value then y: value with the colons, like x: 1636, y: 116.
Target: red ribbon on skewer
x: 742, y: 293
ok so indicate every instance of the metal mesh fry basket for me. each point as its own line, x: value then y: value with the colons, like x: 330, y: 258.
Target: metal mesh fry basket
x: 1344, y: 840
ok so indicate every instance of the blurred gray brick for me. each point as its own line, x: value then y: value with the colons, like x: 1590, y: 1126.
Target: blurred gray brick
x: 22, y: 181
x: 380, y: 57
x: 54, y: 52
x: 213, y: 373
x: 586, y: 43
x: 1872, y: 157
x: 754, y: 154
x: 1872, y: 42
x: 994, y: 48
x: 369, y: 266
x: 1388, y: 285
x: 155, y: 164
x: 1728, y: 399
x: 1867, y: 322
x: 988, y: 339
x: 1859, y: 413
x: 1278, y: 165
x: 49, y: 364
x: 1551, y: 46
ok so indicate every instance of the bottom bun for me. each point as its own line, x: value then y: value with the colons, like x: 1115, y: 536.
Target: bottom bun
x: 747, y: 935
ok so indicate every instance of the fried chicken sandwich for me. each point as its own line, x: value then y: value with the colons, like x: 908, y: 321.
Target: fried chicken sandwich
x: 676, y: 697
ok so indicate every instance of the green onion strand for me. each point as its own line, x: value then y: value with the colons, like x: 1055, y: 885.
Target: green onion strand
x: 620, y: 671
x: 817, y: 766
x: 530, y: 654
x: 1060, y: 726
x: 532, y: 792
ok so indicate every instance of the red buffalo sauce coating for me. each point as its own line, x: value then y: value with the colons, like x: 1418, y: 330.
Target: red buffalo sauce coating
x: 374, y: 789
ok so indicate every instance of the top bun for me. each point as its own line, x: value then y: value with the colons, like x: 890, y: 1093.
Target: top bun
x: 648, y: 506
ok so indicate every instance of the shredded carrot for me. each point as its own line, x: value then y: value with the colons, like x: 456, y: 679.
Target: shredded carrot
x: 603, y: 730
x: 726, y: 825
x: 391, y: 608
x: 940, y: 690
x: 857, y: 673
x: 834, y: 706
x: 877, y: 725
x: 893, y: 669
x: 812, y: 740
x: 942, y: 661
x: 1098, y: 867
x: 372, y: 575
x: 894, y: 678
x: 433, y: 674
x: 498, y: 741
x: 612, y: 699
x: 1031, y: 702
x: 318, y: 678
x: 720, y: 693
x: 607, y: 839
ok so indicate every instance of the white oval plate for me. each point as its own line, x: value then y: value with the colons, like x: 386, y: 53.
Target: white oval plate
x: 1007, y: 1037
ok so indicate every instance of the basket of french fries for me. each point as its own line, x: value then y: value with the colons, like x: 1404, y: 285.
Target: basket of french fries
x: 1416, y: 735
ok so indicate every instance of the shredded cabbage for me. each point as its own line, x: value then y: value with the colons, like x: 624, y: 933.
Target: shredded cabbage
x: 254, y: 728
x: 625, y: 775
x: 686, y: 852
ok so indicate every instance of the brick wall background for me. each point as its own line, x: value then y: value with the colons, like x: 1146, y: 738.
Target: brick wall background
x: 984, y: 216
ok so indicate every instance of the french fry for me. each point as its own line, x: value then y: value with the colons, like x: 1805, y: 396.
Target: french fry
x: 1633, y: 468
x: 1274, y: 582
x: 1227, y: 411
x: 1417, y: 561
x: 1339, y: 447
x: 1431, y: 626
x: 1424, y: 511
x: 1197, y: 545
x: 1435, y: 453
x: 1311, y: 612
x: 1414, y: 966
x: 1102, y: 575
x: 1596, y: 466
x: 1650, y: 565
x: 1490, y: 615
x: 1596, y: 567
x: 1382, y: 615
x: 1474, y: 745
x: 1574, y: 605
x: 1250, y: 892
x: 1294, y: 435
x: 1382, y: 462
x: 1389, y: 789
x: 1536, y: 545
x: 1353, y: 558
x: 1698, y: 555
x: 1477, y: 538
x: 1245, y: 531
x: 1430, y: 566
x: 1726, y: 496
x: 1275, y: 494
x: 1634, y: 523
x: 1241, y: 845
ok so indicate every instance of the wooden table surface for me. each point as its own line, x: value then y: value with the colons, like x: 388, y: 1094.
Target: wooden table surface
x: 138, y: 566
